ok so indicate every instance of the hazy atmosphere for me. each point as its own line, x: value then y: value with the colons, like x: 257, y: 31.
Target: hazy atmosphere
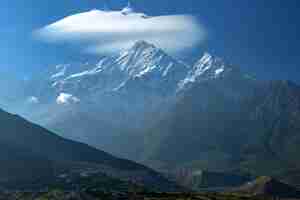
x: 149, y: 99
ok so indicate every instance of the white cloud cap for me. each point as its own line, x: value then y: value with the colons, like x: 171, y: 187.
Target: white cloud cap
x: 104, y: 32
x: 66, y: 99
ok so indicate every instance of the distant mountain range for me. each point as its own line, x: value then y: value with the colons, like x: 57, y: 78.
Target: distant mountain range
x: 148, y: 106
x: 31, y: 154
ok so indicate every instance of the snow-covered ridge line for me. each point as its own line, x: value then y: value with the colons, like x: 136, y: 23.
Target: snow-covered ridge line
x: 142, y: 61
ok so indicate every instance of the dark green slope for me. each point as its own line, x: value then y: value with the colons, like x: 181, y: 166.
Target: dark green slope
x: 30, y: 152
x: 39, y: 141
x: 18, y: 165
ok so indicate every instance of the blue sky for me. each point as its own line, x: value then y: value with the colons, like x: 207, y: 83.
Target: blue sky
x: 260, y: 36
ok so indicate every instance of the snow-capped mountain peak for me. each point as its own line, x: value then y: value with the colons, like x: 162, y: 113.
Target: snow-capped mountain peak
x: 142, y: 61
x: 206, y: 68
x: 142, y: 66
x: 142, y: 45
x: 209, y: 64
x: 144, y: 58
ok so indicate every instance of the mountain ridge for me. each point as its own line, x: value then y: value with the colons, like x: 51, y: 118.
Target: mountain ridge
x: 232, y: 120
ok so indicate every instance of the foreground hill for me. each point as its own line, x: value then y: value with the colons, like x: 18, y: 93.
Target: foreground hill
x: 267, y: 186
x: 91, y: 195
x: 31, y: 153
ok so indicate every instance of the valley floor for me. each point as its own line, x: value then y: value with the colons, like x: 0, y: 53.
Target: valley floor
x: 61, y: 195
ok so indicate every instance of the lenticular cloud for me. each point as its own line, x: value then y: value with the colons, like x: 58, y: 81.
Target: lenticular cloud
x: 104, y: 32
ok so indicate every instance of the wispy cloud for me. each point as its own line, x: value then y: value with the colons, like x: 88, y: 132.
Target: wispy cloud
x: 105, y: 32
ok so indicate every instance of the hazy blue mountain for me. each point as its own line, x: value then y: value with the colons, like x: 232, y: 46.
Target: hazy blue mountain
x: 230, y: 125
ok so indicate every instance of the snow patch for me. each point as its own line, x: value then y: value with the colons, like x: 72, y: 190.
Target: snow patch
x: 66, y: 99
x: 219, y: 71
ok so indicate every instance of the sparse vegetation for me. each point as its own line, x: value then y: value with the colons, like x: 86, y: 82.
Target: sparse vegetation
x: 87, y: 195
